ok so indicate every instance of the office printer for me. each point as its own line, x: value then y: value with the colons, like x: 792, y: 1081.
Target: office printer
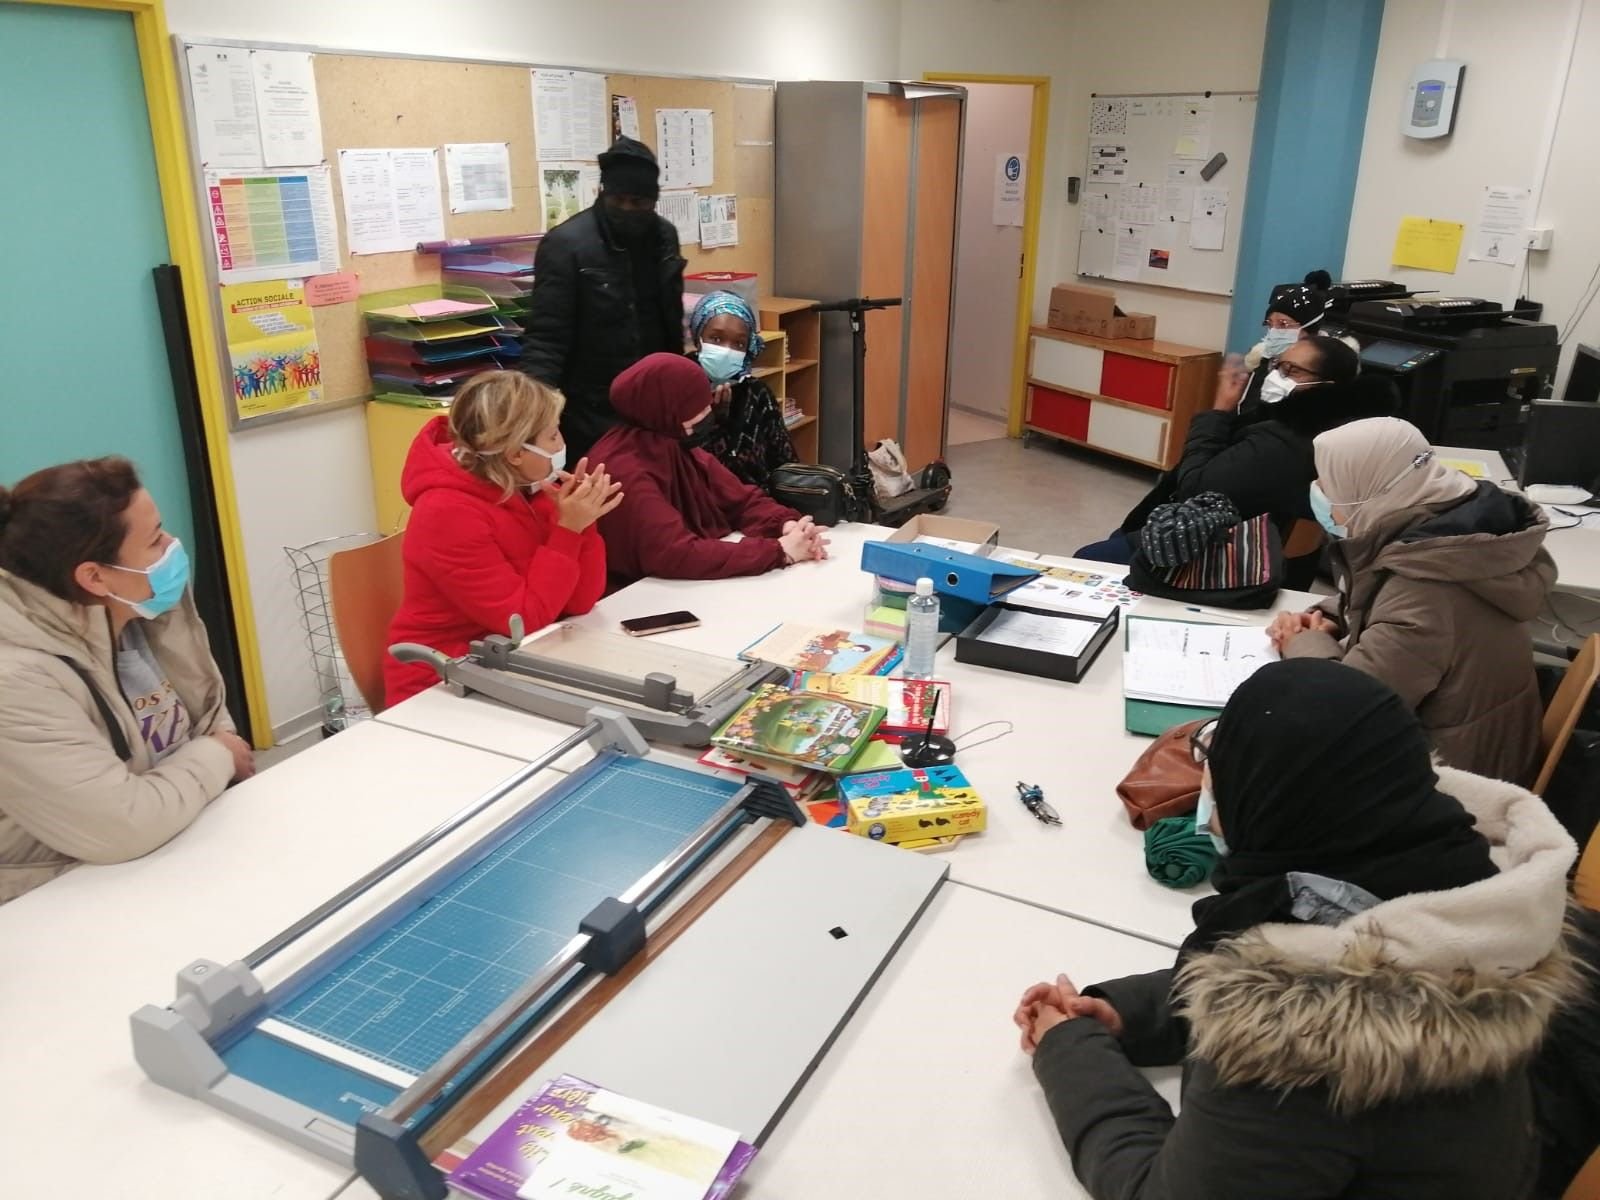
x: 1466, y: 368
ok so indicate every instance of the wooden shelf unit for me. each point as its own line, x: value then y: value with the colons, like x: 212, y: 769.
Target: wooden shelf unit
x: 1130, y: 397
x: 793, y: 331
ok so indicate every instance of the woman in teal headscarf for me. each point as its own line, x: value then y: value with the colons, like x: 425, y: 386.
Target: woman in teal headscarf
x: 748, y: 435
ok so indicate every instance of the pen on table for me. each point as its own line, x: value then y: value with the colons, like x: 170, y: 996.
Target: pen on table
x: 1032, y: 797
x: 1219, y: 615
x: 933, y: 711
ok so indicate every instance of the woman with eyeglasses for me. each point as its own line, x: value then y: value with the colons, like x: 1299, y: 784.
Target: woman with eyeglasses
x: 1358, y: 1004
x: 1437, y: 575
x: 1263, y: 465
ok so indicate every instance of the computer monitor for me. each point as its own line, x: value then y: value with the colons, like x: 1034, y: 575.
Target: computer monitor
x: 1583, y: 381
x: 1563, y: 444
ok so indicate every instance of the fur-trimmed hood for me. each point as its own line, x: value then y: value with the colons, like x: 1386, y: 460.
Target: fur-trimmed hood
x: 1426, y: 993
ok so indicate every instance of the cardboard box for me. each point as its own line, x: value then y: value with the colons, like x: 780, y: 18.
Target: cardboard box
x: 1079, y: 308
x: 981, y: 534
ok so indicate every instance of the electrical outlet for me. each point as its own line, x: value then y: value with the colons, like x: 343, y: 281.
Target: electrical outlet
x: 1540, y: 237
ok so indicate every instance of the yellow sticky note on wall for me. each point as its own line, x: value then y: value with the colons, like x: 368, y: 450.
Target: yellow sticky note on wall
x: 1427, y: 244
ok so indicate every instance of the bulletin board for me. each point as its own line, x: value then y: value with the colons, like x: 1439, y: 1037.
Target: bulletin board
x: 377, y: 101
x: 1144, y: 214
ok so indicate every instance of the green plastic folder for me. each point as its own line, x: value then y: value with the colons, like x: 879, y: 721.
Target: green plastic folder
x: 1152, y: 718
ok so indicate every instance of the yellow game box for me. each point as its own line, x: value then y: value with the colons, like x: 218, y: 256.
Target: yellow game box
x: 911, y: 804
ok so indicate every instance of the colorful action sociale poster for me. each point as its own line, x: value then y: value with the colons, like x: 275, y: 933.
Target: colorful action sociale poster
x: 272, y: 347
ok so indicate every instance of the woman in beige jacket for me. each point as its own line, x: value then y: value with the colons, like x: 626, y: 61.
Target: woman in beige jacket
x: 113, y: 734
x: 1438, y: 575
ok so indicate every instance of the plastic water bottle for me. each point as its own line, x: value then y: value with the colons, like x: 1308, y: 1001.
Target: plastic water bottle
x: 922, y: 631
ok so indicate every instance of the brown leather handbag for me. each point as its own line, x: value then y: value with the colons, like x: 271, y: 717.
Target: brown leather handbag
x: 1165, y: 782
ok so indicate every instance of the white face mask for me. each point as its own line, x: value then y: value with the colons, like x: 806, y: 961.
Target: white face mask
x: 1275, y: 387
x: 558, y: 462
x: 1277, y: 341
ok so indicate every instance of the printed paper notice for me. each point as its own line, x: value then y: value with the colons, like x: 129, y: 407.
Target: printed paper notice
x: 392, y: 199
x: 1177, y: 204
x: 1208, y: 219
x: 1108, y: 162
x: 1194, y: 130
x: 1010, y: 177
x: 1132, y: 251
x: 479, y: 175
x: 624, y: 117
x: 1428, y: 245
x: 1501, y: 234
x: 272, y: 224
x: 683, y: 210
x: 683, y: 142
x: 568, y: 189
x: 1138, y: 205
x: 286, y: 103
x: 224, y: 107
x: 1099, y: 207
x: 571, y: 115
x: 272, y: 347
x: 719, y: 221
x: 1042, y: 634
x: 1108, y: 118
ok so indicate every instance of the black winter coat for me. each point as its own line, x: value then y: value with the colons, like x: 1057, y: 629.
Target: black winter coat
x: 583, y: 320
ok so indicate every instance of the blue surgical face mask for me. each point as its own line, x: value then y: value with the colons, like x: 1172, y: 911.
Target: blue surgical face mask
x: 1322, y: 510
x: 1202, y: 820
x: 1276, y: 341
x: 168, y: 576
x: 721, y: 363
x: 558, y: 461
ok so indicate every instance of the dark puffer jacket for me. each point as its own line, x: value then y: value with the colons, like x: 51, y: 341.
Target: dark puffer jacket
x: 583, y: 326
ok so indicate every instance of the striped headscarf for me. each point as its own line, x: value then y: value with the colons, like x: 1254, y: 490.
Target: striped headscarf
x: 717, y: 304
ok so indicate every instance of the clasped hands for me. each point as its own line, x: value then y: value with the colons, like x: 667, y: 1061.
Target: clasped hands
x: 1046, y: 1005
x: 802, y: 541
x: 1286, y: 627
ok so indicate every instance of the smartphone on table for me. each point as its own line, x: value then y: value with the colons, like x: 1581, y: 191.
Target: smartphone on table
x: 660, y: 623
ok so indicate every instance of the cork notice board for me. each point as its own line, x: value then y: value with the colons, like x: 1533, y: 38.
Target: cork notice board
x: 374, y: 102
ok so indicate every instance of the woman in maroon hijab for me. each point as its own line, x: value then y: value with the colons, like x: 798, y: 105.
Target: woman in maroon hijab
x: 681, y: 502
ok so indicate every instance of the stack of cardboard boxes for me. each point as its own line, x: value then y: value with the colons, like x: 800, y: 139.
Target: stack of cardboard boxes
x: 1078, y: 308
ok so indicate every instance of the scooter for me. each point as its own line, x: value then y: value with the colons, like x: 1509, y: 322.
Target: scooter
x: 932, y: 492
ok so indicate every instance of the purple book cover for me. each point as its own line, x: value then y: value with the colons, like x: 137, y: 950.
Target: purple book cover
x: 505, y: 1160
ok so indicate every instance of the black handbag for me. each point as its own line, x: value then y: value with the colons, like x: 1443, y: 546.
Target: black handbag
x: 1243, y: 569
x: 819, y: 492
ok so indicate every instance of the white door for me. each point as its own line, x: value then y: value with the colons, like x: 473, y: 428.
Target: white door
x: 988, y: 256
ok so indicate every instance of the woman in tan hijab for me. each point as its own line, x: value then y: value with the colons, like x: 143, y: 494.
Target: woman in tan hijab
x: 1437, y: 576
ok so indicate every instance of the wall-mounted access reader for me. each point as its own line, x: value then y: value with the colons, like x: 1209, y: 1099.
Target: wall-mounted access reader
x: 1430, y: 110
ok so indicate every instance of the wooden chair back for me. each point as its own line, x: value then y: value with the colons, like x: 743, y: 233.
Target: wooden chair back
x: 1305, y: 537
x: 1585, y: 1184
x: 1566, y: 706
x: 365, y: 586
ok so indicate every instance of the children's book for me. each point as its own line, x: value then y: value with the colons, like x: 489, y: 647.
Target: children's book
x: 576, y: 1139
x: 793, y: 778
x: 907, y: 703
x: 820, y: 733
x: 836, y: 651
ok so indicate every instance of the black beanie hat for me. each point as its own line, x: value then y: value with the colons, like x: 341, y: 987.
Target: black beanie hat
x: 1303, y: 302
x: 629, y: 169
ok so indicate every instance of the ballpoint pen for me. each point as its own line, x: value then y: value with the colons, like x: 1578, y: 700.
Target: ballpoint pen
x: 1032, y: 797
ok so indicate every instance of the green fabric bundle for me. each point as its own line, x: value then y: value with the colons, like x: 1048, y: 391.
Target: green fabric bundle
x: 1177, y: 856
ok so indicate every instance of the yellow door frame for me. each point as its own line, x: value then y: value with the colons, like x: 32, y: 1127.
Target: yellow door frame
x: 188, y: 254
x: 1030, y: 225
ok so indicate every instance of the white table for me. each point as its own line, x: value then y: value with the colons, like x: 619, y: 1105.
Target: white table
x: 81, y: 953
x: 925, y: 1093
x: 1575, y: 547
x: 1068, y: 738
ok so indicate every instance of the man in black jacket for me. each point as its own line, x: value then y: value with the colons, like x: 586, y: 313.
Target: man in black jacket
x: 607, y: 290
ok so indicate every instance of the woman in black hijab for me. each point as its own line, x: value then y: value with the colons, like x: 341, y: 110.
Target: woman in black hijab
x: 1364, y: 968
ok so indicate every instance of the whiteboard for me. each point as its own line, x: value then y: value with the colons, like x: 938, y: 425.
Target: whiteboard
x: 1144, y: 213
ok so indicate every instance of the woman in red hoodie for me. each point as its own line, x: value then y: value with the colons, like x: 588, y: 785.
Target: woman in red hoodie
x: 498, y: 529
x: 681, y: 501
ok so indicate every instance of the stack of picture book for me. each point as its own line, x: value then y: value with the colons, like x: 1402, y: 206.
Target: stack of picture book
x: 834, y: 651
x: 576, y: 1139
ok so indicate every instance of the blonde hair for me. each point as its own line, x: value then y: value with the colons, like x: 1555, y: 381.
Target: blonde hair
x: 493, y: 415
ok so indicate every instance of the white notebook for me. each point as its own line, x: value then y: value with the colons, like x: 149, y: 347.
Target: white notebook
x: 1187, y: 662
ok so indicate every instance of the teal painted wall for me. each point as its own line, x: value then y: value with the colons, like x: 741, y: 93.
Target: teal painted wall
x: 83, y: 371
x: 1316, y: 76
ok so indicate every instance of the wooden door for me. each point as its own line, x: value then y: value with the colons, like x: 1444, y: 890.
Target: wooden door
x: 886, y: 211
x: 934, y: 189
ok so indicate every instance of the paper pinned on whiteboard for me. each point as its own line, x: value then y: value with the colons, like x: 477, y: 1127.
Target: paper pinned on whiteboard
x: 479, y: 175
x: 1194, y: 131
x: 1138, y: 205
x: 1501, y: 233
x: 1099, y: 207
x: 1177, y: 204
x: 1108, y: 118
x: 1208, y: 219
x: 224, y: 107
x: 1132, y: 251
x: 1108, y: 162
x: 286, y: 107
